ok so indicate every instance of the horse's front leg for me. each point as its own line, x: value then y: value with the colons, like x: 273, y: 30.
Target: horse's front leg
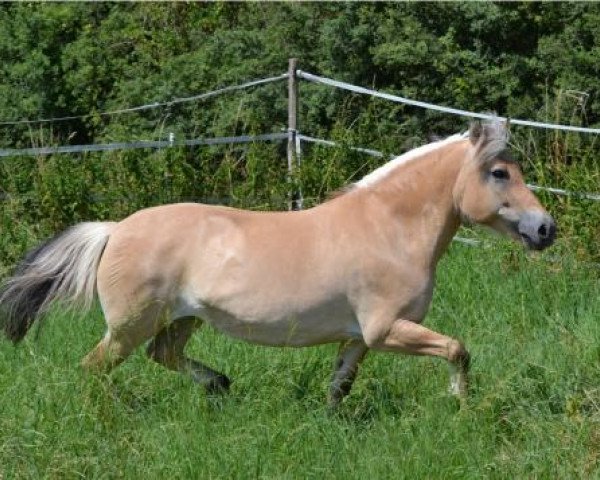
x: 414, y: 339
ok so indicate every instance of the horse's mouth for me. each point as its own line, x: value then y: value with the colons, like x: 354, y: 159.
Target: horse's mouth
x: 528, y: 242
x: 535, y: 230
x: 535, y: 244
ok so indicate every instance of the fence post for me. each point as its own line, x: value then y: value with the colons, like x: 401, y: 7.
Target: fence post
x: 293, y: 148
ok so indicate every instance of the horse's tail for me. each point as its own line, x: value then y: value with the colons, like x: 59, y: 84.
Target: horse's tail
x: 63, y: 268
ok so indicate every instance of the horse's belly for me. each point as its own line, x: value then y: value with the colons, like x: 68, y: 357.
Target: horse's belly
x: 331, y: 321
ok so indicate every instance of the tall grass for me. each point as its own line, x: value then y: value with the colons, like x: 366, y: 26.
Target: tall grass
x: 533, y: 411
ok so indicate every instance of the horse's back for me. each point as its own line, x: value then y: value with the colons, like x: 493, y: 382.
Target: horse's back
x: 152, y: 248
x: 193, y: 258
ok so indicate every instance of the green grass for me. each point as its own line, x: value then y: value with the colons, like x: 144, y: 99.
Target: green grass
x: 533, y: 328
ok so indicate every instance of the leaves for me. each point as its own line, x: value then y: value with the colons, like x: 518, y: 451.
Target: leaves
x: 525, y: 60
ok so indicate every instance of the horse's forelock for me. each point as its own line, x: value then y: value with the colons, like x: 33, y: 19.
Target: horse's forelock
x: 490, y: 138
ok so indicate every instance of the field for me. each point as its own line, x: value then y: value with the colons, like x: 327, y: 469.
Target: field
x: 91, y: 73
x: 532, y: 326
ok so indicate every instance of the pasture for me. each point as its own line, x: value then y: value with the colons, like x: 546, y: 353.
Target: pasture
x: 532, y: 326
x: 78, y: 76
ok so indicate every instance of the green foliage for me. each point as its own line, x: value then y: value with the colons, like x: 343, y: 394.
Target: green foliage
x: 527, y: 60
x: 86, y: 58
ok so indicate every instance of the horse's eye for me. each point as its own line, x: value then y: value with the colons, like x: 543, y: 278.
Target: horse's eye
x: 500, y: 174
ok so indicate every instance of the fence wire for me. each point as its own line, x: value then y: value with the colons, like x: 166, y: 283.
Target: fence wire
x: 103, y: 147
x: 175, y: 101
x: 430, y: 106
x: 277, y: 136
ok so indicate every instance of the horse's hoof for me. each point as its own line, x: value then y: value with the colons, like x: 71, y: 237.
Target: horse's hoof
x: 218, y: 385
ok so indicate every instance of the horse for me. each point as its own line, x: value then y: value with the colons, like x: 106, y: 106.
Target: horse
x: 357, y: 270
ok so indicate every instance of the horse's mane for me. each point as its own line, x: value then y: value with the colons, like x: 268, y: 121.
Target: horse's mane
x: 492, y: 134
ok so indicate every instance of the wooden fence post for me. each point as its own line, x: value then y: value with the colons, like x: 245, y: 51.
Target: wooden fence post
x: 293, y: 148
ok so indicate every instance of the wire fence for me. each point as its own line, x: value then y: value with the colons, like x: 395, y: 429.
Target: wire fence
x: 430, y: 106
x: 172, y: 142
x: 149, y: 106
x: 104, y: 147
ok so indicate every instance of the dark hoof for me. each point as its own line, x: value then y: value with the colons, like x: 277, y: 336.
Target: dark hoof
x: 218, y: 385
x: 338, y: 391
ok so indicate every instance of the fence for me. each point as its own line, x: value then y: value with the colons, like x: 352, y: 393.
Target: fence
x: 293, y: 135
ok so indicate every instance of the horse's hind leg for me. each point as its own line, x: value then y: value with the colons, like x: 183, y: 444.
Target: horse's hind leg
x: 167, y: 348
x: 350, y: 355
x: 105, y: 356
x: 125, y: 333
x: 115, y: 347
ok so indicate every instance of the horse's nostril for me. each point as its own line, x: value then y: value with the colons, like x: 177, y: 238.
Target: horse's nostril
x: 543, y: 231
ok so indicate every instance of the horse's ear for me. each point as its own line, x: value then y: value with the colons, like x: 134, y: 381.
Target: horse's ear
x: 491, y: 130
x: 476, y: 130
x: 489, y: 137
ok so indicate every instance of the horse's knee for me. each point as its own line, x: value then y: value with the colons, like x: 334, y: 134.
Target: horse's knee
x: 458, y: 354
x: 346, y: 368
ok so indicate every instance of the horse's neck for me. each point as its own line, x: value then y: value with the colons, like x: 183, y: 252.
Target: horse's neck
x: 418, y: 199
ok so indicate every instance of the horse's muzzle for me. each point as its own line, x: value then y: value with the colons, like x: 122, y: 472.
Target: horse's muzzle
x: 537, y: 229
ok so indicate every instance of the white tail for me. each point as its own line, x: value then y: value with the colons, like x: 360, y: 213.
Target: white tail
x: 63, y: 268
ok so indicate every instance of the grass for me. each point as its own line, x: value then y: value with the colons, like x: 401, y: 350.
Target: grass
x: 533, y: 328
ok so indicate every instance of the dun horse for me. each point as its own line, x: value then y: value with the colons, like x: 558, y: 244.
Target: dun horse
x: 357, y: 270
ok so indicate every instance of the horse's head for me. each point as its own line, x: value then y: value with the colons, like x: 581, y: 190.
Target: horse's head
x: 490, y: 190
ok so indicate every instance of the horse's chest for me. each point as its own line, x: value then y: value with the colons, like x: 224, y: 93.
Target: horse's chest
x: 416, y: 303
x: 397, y: 294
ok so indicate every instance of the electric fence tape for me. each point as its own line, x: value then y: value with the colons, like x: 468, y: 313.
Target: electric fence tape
x: 430, y: 106
x: 277, y: 136
x: 149, y: 106
x: 103, y: 147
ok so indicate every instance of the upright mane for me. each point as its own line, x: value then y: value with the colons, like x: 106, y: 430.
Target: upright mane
x: 409, y: 156
x: 490, y: 138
